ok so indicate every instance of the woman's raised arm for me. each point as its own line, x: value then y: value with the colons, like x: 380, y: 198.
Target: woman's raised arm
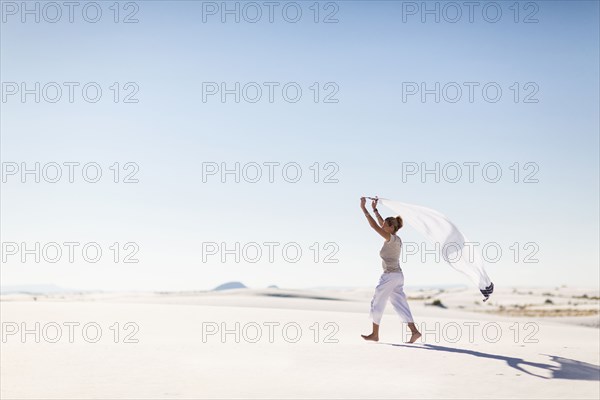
x: 372, y: 222
x: 379, y: 218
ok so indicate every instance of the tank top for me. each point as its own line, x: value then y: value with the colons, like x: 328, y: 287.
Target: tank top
x: 390, y: 254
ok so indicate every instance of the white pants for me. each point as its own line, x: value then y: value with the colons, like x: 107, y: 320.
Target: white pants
x: 391, y: 286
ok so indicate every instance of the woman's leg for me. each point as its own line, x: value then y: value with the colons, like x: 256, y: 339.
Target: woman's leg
x: 378, y: 303
x: 400, y: 303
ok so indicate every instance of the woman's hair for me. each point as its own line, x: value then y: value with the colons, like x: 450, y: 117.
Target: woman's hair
x: 395, y: 222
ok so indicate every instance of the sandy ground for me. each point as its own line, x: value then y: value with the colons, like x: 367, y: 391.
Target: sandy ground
x: 298, y: 344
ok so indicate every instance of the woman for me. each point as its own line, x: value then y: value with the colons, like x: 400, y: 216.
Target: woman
x: 391, y: 282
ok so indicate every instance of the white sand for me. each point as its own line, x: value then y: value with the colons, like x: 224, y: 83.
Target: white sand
x: 172, y: 361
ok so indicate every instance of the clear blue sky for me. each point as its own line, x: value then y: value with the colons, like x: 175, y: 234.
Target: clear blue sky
x: 369, y: 133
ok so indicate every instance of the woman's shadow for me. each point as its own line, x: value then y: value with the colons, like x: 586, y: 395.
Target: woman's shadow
x: 566, y: 368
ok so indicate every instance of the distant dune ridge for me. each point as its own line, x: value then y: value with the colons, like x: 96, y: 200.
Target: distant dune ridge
x: 35, y: 289
x: 230, y: 285
x: 560, y: 304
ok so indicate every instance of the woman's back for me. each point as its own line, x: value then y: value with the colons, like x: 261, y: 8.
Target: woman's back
x: 390, y: 254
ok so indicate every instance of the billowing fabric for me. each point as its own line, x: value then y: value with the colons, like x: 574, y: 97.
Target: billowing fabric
x: 436, y: 228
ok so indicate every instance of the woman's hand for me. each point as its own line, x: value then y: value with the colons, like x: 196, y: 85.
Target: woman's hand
x: 363, y: 201
x: 374, y: 203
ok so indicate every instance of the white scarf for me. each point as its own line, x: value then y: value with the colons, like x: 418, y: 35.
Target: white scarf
x: 439, y: 229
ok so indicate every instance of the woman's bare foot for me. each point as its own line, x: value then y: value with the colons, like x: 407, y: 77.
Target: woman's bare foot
x: 414, y: 337
x: 372, y: 337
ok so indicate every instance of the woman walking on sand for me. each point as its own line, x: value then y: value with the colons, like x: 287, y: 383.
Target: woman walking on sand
x: 391, y: 283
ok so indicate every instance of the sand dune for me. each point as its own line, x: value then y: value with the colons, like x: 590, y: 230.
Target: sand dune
x: 277, y: 343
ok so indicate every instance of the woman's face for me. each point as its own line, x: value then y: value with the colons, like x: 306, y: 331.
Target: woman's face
x: 387, y: 227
